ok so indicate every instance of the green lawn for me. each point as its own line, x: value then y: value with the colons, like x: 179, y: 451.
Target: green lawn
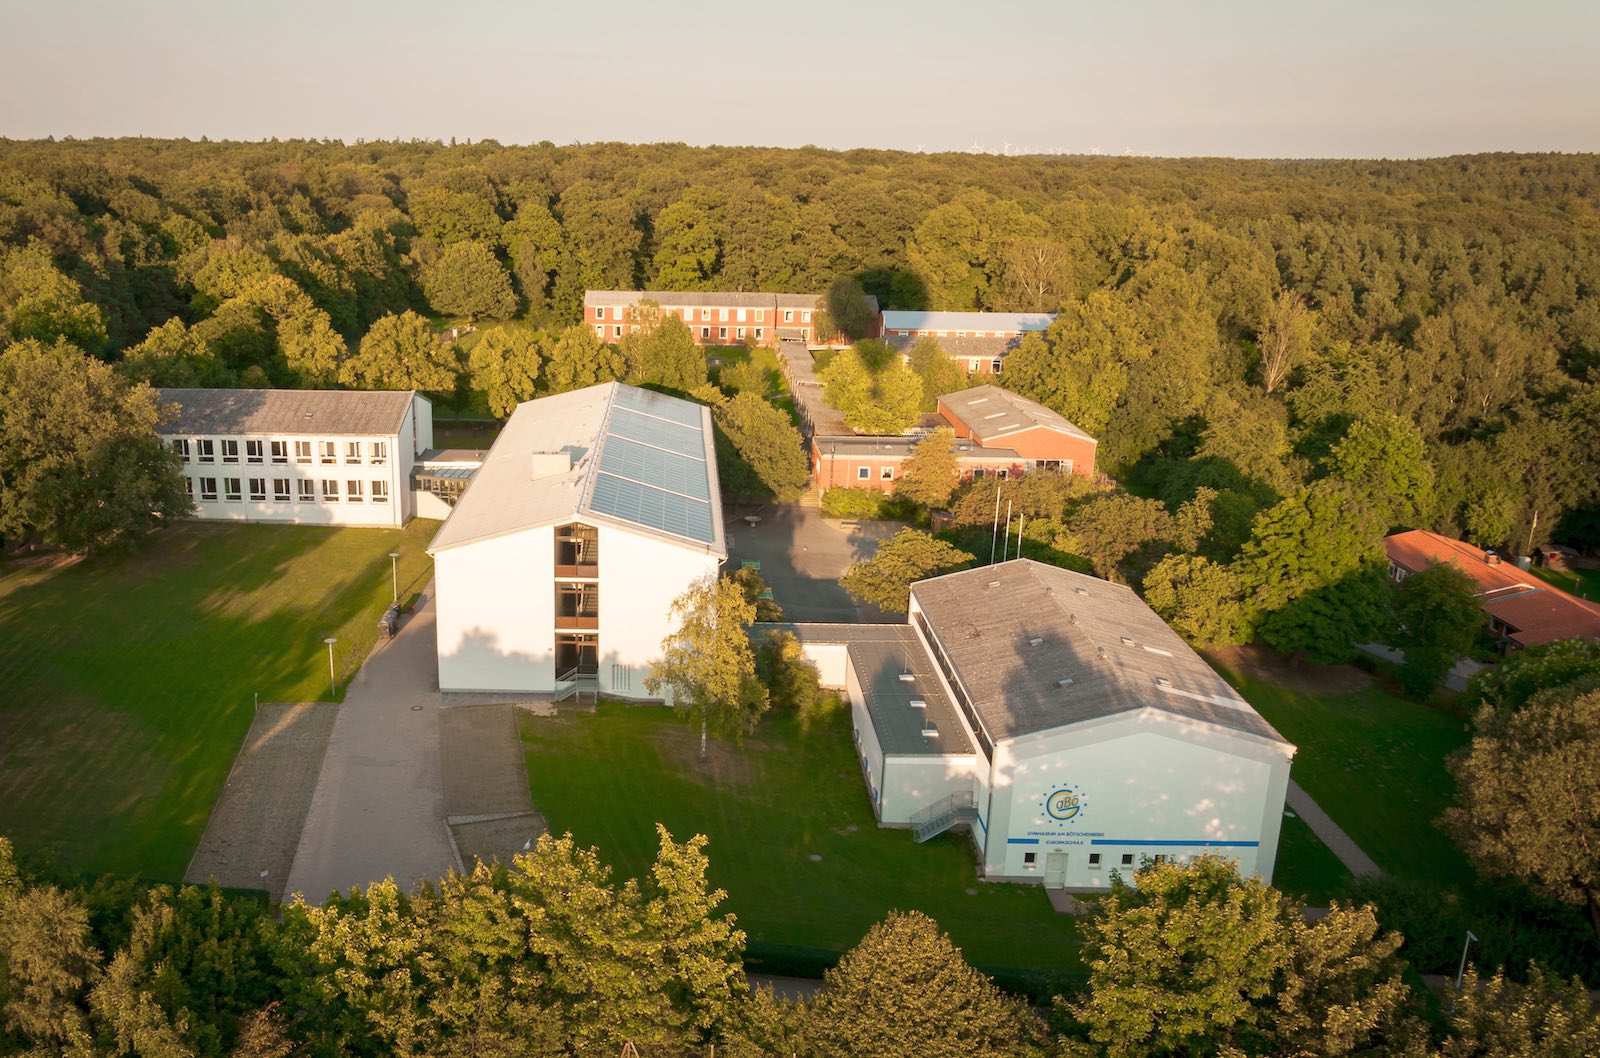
x: 1305, y: 867
x: 1584, y: 583
x: 768, y: 807
x: 1376, y: 764
x: 128, y: 679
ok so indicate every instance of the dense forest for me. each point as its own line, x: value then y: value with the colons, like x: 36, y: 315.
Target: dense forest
x: 1223, y: 322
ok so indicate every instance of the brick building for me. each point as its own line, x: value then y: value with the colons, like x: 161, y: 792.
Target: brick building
x: 716, y: 317
x: 979, y: 341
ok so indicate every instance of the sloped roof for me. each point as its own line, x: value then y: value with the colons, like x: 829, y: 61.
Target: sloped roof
x: 734, y: 299
x: 986, y: 322
x: 637, y: 459
x: 291, y: 411
x: 1535, y: 611
x: 1014, y: 631
x: 990, y: 412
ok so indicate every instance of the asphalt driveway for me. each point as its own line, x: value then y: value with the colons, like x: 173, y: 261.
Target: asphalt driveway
x: 802, y: 556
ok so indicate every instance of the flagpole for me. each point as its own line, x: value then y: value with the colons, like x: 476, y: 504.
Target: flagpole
x: 994, y: 530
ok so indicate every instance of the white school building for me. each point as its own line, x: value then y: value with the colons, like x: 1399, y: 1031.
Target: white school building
x: 558, y: 566
x: 310, y: 457
x: 1059, y: 721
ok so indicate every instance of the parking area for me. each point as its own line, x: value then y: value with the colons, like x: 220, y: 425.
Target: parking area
x: 802, y: 555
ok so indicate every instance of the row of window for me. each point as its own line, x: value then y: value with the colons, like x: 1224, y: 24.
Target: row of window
x: 1031, y: 859
x: 705, y: 332
x: 205, y: 450
x: 908, y: 332
x: 234, y: 490
x: 618, y: 312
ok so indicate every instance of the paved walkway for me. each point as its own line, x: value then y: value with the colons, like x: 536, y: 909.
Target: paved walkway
x: 379, y: 807
x: 1323, y: 826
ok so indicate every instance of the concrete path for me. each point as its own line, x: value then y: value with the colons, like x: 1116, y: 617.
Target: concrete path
x: 1329, y: 832
x: 379, y: 806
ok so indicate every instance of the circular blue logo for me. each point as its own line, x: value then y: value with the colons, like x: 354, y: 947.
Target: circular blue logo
x: 1064, y: 804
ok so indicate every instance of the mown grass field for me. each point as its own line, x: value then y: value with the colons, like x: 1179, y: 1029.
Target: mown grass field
x: 129, y: 680
x: 1584, y: 583
x: 768, y: 807
x: 1376, y: 764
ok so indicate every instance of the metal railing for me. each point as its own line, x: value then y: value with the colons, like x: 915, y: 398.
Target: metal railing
x: 959, y: 808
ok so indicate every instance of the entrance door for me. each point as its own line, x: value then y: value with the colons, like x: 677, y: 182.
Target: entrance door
x: 1055, y: 870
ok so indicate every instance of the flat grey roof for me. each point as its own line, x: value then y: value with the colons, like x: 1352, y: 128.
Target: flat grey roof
x: 989, y: 412
x: 900, y: 448
x: 988, y: 322
x: 638, y: 459
x: 290, y: 411
x: 1015, y: 630
x: 879, y: 655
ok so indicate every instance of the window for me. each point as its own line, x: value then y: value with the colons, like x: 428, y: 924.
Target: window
x: 994, y: 366
x: 705, y: 315
x: 616, y: 332
x: 788, y: 315
x: 208, y: 453
x: 380, y: 492
x: 258, y: 488
x: 616, y: 312
x: 305, y: 489
x: 705, y: 332
x: 208, y: 488
x: 1047, y: 464
x: 887, y: 473
x: 759, y: 332
x: 188, y: 487
x: 355, y: 491
x: 1161, y: 857
x: 302, y: 451
x: 600, y: 313
x: 231, y: 489
x: 863, y: 473
x: 722, y: 332
x: 977, y: 473
x: 330, y: 491
x: 1030, y: 858
x: 761, y: 315
x: 252, y: 451
x: 280, y: 451
x: 181, y: 447
x: 1066, y: 465
x: 1094, y: 860
x: 724, y: 315
x: 1127, y: 859
x: 379, y: 453
x: 739, y: 315
x: 352, y: 451
x: 328, y: 452
x: 280, y: 489
x: 230, y: 451
x: 1003, y: 473
x: 740, y: 335
x: 805, y: 315
x: 600, y: 330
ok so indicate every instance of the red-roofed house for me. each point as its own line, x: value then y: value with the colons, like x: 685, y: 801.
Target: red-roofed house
x: 1523, y: 611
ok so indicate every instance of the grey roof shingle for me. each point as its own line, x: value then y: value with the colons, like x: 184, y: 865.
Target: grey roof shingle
x: 1016, y: 630
x: 733, y: 299
x: 289, y: 411
x: 880, y: 654
x: 990, y: 412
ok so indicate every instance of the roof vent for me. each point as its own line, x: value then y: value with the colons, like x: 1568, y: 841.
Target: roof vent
x: 919, y: 703
x: 929, y: 731
x: 1082, y: 591
x: 1067, y: 682
x: 549, y: 464
x: 1162, y: 681
x: 994, y: 584
x: 908, y: 677
x: 1036, y: 641
x: 1127, y: 641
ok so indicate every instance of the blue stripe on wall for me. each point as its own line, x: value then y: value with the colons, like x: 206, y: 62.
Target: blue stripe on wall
x: 981, y: 823
x: 1194, y: 844
x: 1022, y: 841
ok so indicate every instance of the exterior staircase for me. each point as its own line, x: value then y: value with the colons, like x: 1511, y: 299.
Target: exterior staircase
x: 959, y: 809
x: 576, y: 685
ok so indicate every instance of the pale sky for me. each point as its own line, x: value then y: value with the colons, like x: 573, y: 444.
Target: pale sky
x: 1246, y: 78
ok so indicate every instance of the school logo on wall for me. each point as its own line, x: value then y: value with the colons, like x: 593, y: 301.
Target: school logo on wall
x: 1065, y: 804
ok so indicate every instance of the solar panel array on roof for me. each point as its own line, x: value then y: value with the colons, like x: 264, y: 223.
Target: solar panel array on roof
x: 659, y: 405
x: 652, y: 507
x: 659, y: 433
x: 655, y: 466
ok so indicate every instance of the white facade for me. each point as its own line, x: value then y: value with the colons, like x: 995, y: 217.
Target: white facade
x: 496, y: 609
x: 244, y: 472
x: 1152, y: 755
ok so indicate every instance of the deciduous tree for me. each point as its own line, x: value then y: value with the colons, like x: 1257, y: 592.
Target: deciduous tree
x: 1436, y: 617
x: 505, y: 366
x: 402, y: 352
x: 930, y: 474
x: 467, y: 279
x: 885, y: 579
x: 767, y: 443
x: 1284, y: 340
x: 579, y: 359
x: 707, y: 668
x: 1202, y: 600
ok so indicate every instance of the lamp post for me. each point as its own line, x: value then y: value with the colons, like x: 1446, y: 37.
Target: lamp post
x: 1462, y: 969
x: 394, y: 574
x: 333, y: 686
